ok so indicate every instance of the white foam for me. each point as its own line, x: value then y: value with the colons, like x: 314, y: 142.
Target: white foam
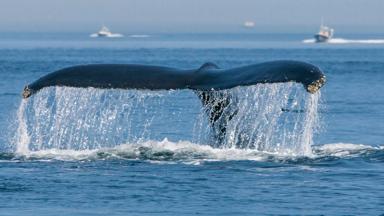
x: 139, y: 36
x: 60, y: 154
x: 166, y: 151
x: 309, y: 41
x: 344, y: 149
x: 112, y: 35
x: 348, y: 41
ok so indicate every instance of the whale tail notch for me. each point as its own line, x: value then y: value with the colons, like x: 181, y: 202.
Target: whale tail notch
x: 208, y: 66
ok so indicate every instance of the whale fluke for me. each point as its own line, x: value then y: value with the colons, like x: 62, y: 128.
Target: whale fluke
x: 206, y: 78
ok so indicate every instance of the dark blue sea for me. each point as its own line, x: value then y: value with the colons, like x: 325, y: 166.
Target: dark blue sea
x: 71, y: 151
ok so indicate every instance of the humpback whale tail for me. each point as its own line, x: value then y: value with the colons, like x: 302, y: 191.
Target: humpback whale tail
x: 208, y: 77
x: 205, y: 81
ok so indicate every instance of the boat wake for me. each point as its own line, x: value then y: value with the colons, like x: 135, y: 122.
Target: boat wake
x: 347, y: 41
x: 139, y: 36
x: 116, y: 35
x: 111, y: 35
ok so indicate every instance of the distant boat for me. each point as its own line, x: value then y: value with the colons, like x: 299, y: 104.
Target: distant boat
x: 325, y: 33
x: 105, y: 32
x: 249, y: 24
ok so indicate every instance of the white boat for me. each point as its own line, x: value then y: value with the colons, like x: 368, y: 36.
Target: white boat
x: 249, y: 24
x: 104, y: 32
x: 325, y: 33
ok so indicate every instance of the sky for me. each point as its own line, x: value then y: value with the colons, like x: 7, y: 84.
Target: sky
x: 190, y: 15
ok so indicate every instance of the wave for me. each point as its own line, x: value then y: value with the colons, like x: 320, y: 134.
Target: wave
x: 193, y: 153
x: 7, y: 94
x: 348, y: 41
x: 345, y: 149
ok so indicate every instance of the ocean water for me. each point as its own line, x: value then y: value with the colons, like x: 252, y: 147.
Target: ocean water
x: 68, y: 151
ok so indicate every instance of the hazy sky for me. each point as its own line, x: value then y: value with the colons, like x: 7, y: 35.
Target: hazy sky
x: 190, y: 15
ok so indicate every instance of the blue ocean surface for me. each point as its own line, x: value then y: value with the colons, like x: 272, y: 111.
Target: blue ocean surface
x: 69, y: 151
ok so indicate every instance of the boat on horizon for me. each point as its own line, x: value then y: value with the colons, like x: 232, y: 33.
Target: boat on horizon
x: 249, y: 24
x: 105, y: 32
x: 325, y: 33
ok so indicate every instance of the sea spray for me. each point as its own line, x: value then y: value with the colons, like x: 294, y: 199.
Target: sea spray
x: 22, y: 138
x: 277, y: 118
x: 81, y: 119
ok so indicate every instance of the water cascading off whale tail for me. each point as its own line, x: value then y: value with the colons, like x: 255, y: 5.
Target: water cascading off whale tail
x: 209, y: 82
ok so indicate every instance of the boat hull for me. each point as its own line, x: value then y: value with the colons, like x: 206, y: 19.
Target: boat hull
x: 321, y: 38
x: 102, y: 35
